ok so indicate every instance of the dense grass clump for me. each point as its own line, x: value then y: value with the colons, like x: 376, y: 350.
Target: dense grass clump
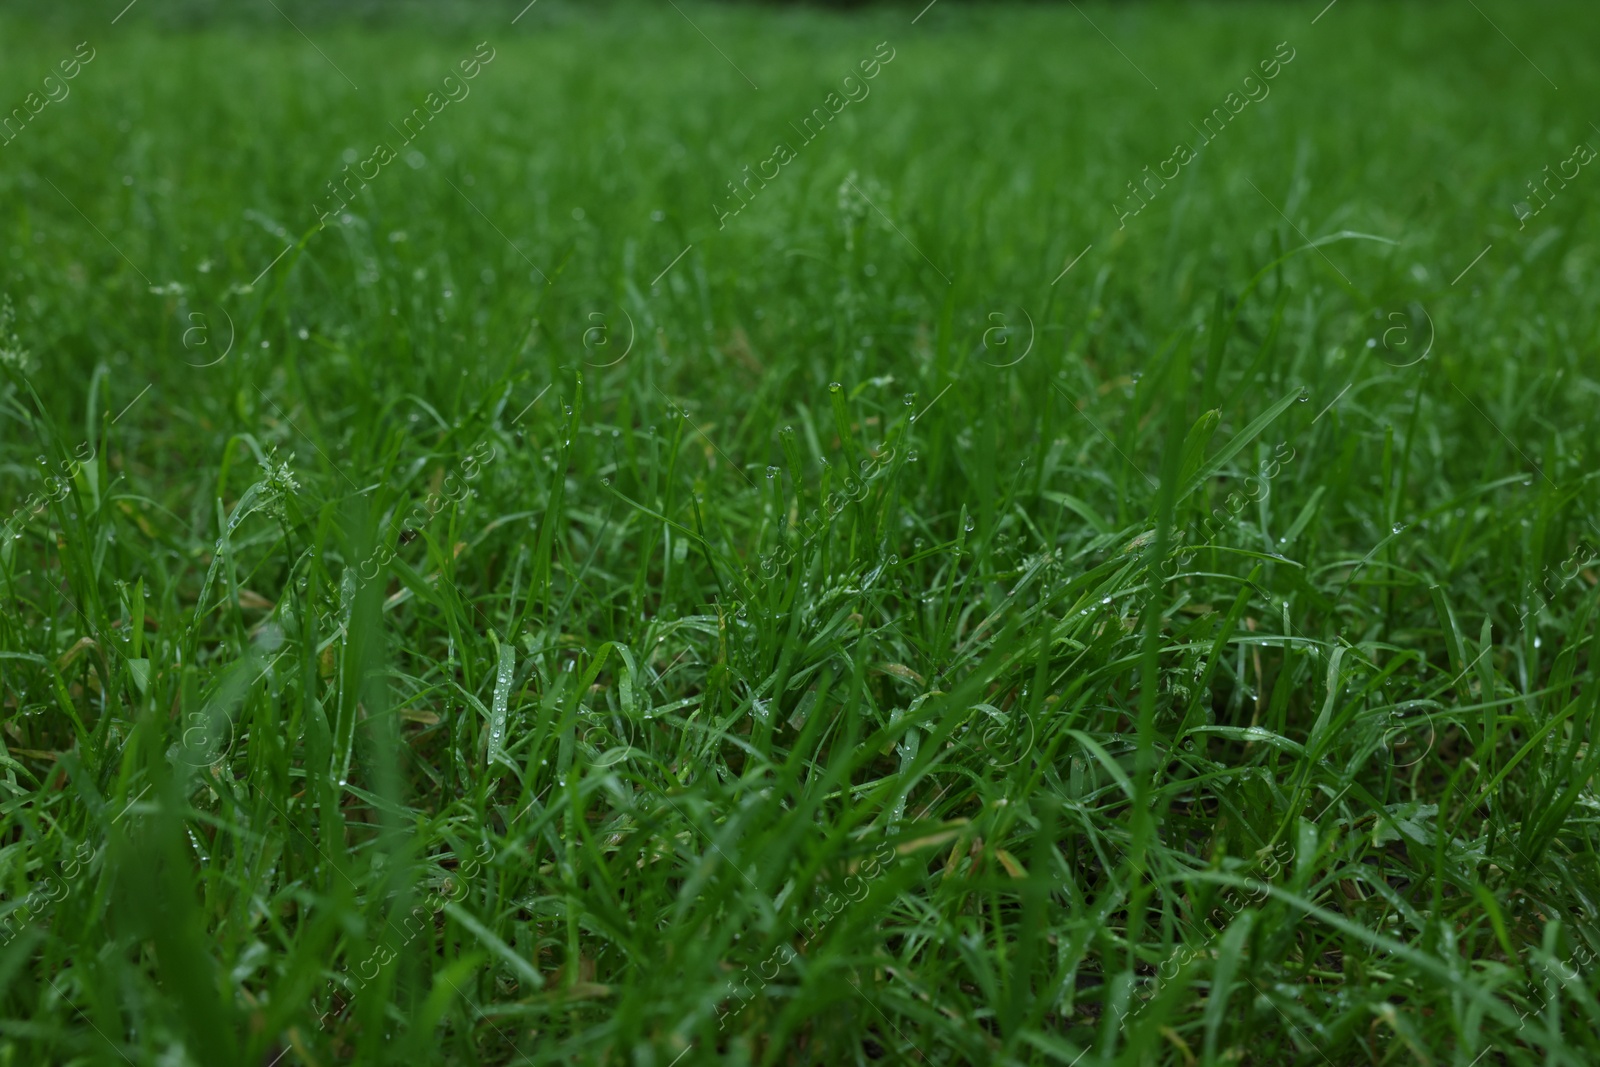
x: 673, y: 535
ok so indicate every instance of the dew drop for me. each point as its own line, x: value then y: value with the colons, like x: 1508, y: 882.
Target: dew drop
x: 911, y: 457
x: 1305, y: 394
x: 911, y: 398
x: 834, y: 387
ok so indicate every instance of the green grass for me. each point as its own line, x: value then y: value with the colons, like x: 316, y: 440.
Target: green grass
x: 562, y: 630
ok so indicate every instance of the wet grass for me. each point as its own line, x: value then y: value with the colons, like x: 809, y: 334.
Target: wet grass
x: 565, y: 610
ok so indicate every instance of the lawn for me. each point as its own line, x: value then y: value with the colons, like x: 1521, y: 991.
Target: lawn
x: 671, y: 534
